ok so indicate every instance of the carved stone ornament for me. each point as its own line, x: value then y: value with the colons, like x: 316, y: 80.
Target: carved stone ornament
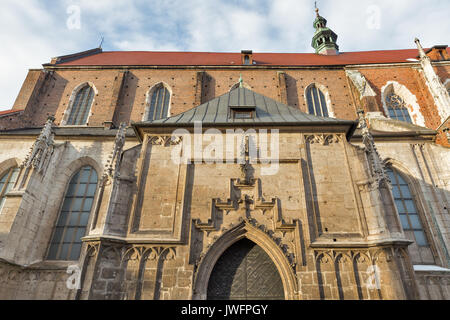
x: 112, y: 167
x: 165, y: 140
x: 42, y: 149
x: 377, y: 167
x: 323, y: 139
x: 360, y: 83
x: 245, y: 207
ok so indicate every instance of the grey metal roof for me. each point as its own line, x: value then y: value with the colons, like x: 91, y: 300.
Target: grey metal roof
x: 217, y: 111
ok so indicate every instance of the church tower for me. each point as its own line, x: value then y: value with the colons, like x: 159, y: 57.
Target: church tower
x: 324, y: 39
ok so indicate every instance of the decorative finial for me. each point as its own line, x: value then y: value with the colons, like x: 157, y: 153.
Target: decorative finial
x: 241, y: 82
x: 376, y: 164
x: 419, y: 46
x: 362, y: 121
x: 317, y: 9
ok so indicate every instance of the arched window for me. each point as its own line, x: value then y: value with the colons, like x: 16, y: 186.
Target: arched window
x: 397, y: 108
x: 7, y: 181
x: 410, y: 218
x: 74, y: 215
x: 81, y: 106
x: 315, y: 99
x: 159, y: 103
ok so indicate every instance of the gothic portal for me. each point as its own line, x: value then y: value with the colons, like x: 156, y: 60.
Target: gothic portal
x: 245, y: 272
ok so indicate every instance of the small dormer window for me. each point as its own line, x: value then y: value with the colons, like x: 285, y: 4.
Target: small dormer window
x: 247, y: 57
x: 242, y: 114
x: 239, y: 112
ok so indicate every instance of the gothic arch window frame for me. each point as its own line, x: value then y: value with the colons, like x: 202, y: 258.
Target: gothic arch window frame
x: 7, y: 167
x: 149, y: 95
x: 74, y: 168
x: 326, y: 94
x: 410, y: 100
x: 419, y: 202
x: 72, y: 99
x: 244, y: 230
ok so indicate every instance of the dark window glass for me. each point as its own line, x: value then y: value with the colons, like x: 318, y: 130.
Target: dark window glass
x: 316, y: 102
x: 397, y: 108
x: 81, y: 106
x: 159, y: 104
x: 74, y: 216
x: 242, y: 114
x: 7, y: 181
x: 406, y: 207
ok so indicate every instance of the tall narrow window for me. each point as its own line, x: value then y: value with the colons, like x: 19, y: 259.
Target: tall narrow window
x: 81, y: 106
x: 74, y: 216
x: 159, y: 103
x: 410, y: 219
x: 397, y: 108
x: 7, y: 181
x: 316, y: 102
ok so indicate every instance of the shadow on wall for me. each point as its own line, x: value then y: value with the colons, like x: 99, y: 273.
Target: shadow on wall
x: 292, y: 93
x: 209, y: 88
x: 126, y: 103
x: 51, y: 90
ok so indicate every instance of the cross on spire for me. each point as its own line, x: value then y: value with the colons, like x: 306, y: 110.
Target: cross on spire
x: 101, y: 41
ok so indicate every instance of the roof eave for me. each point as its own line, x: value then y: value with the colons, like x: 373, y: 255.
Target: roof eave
x: 348, y: 126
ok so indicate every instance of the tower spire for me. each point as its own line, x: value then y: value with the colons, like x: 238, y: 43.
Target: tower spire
x: 316, y: 9
x: 324, y: 39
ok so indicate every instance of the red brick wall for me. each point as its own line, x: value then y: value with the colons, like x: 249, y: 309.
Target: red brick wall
x: 52, y: 92
x: 413, y: 81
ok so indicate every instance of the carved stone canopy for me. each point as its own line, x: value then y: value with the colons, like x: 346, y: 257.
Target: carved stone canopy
x: 42, y: 149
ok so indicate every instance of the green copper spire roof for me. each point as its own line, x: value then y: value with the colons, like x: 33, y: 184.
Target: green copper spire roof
x: 324, y: 39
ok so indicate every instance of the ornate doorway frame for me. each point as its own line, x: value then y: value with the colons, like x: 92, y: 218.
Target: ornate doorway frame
x: 241, y: 231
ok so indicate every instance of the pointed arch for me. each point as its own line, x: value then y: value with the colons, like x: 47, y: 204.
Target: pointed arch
x: 242, y: 231
x: 80, y: 104
x: 74, y: 204
x: 399, y: 103
x: 74, y: 215
x: 158, y: 102
x: 8, y: 164
x: 412, y: 212
x: 318, y: 101
x: 9, y: 171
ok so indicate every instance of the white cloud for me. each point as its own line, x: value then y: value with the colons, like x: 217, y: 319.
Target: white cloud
x: 34, y: 31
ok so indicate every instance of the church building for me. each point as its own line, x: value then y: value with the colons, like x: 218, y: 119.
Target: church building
x: 210, y: 175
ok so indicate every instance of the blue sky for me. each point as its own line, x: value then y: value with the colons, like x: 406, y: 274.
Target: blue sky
x: 33, y: 31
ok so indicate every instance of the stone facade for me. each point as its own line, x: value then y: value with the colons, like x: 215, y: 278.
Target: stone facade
x: 327, y: 218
